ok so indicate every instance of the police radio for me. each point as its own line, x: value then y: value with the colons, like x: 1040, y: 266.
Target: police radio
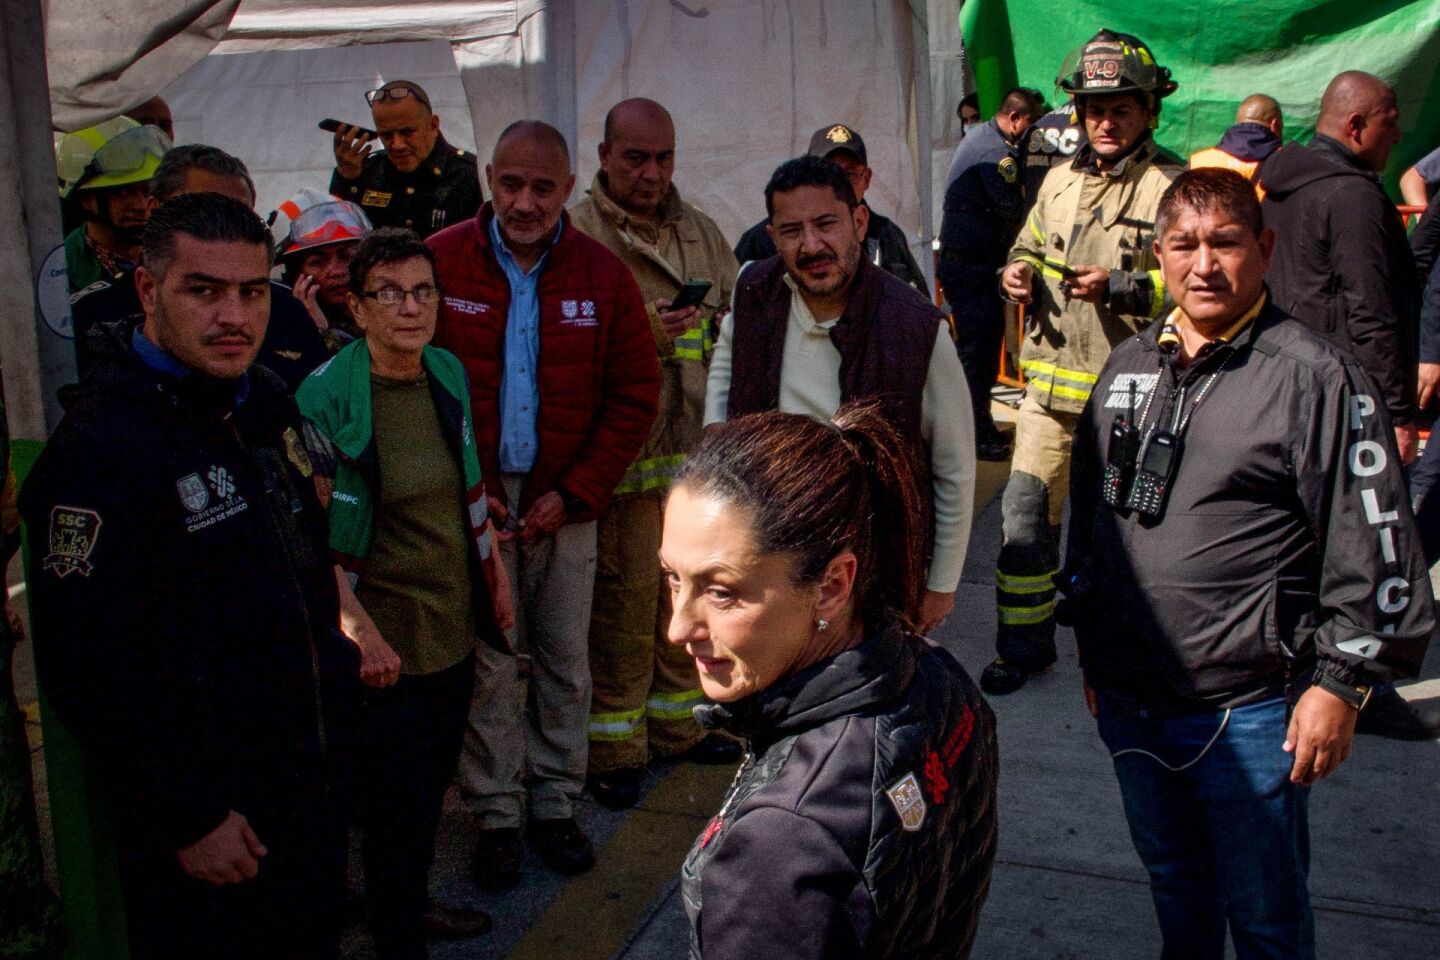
x: 1153, y: 474
x: 1120, y: 456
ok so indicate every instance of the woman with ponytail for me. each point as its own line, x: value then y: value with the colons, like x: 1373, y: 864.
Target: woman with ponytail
x: 862, y: 822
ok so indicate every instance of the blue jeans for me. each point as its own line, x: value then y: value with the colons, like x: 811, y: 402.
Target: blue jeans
x: 1227, y: 838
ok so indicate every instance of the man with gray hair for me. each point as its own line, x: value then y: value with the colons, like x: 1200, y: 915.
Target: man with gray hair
x: 564, y: 382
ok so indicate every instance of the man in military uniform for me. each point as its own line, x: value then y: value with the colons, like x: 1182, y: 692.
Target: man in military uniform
x: 885, y: 243
x: 1084, y: 266
x: 187, y: 612
x: 419, y: 181
x: 645, y: 688
x: 983, y: 210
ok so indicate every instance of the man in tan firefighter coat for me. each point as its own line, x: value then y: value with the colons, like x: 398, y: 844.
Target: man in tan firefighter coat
x: 1083, y: 266
x: 644, y: 687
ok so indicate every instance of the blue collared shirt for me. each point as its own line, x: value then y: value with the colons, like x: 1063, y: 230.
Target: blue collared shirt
x: 162, y: 361
x: 519, y: 388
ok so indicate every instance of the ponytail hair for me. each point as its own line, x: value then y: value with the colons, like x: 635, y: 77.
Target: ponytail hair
x: 813, y: 490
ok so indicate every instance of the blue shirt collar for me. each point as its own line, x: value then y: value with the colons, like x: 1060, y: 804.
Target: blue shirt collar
x: 162, y: 362
x: 498, y: 240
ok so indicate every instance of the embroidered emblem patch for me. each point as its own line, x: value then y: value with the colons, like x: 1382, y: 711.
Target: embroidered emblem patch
x: 468, y: 307
x: 570, y: 309
x: 839, y: 134
x: 908, y: 802
x: 1009, y: 169
x: 193, y: 493
x: 73, y: 533
x: 295, y: 453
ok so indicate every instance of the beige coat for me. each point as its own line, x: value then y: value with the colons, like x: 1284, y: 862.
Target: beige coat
x: 1082, y: 216
x: 686, y: 246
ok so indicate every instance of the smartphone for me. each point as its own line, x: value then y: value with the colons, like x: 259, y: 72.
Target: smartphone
x: 690, y: 295
x: 330, y: 126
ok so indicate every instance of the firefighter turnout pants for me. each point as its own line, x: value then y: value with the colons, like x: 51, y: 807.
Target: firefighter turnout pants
x: 1030, y: 511
x: 644, y: 687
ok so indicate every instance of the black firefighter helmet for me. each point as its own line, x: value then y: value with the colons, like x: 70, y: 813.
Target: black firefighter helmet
x: 1111, y: 62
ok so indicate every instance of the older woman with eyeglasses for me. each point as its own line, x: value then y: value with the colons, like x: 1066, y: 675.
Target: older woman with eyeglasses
x: 390, y: 438
x: 862, y: 822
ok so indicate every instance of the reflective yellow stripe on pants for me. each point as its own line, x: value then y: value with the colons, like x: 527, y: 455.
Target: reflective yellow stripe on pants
x: 1048, y: 378
x: 616, y: 726
x: 674, y: 706
x: 1022, y: 593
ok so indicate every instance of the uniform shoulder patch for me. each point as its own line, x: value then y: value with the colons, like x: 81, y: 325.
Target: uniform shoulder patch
x: 908, y: 801
x: 73, y: 534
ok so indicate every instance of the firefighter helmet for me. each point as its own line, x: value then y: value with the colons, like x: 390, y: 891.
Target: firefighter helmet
x: 312, y: 219
x: 110, y: 154
x: 1112, y: 62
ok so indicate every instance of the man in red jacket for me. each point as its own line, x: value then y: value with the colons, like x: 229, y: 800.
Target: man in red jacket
x: 564, y: 386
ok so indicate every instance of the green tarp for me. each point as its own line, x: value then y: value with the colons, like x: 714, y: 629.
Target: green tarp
x: 1220, y: 52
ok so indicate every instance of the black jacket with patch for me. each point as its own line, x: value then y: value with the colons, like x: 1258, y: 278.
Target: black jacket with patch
x: 442, y: 191
x: 862, y: 823
x: 1287, y: 545
x: 184, y: 602
x: 1343, y: 265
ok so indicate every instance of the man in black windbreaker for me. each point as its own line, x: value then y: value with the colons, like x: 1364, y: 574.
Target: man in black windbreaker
x: 1342, y: 262
x: 187, y: 612
x: 1243, y: 567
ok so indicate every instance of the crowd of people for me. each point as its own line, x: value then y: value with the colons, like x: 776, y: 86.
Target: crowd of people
x: 409, y: 487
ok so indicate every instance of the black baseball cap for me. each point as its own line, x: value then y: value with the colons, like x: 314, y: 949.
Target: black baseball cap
x: 837, y: 136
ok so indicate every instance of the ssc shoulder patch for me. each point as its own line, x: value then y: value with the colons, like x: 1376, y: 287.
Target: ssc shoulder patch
x: 73, y: 534
x: 908, y: 801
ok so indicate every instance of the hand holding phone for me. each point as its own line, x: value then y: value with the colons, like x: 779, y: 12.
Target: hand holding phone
x: 692, y: 294
x: 352, y: 146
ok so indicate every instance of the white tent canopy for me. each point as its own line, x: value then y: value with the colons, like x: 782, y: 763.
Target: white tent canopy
x: 747, y: 81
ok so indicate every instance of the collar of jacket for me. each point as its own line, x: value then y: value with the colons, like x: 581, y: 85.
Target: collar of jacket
x: 1266, y: 317
x: 1249, y: 141
x: 1143, y: 151
x: 672, y: 210
x: 1333, y: 149
x: 856, y: 681
x: 433, y: 166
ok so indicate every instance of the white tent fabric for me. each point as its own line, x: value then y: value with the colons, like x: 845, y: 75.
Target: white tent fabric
x: 748, y: 81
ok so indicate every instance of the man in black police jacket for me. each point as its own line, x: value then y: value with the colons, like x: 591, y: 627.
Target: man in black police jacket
x: 1235, y: 605
x: 186, y: 608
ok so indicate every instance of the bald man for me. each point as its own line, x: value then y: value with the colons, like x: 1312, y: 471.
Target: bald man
x: 1257, y: 133
x: 1343, y: 266
x: 564, y: 381
x: 645, y: 688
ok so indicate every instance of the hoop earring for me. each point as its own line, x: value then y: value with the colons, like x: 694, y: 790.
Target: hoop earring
x: 822, y: 625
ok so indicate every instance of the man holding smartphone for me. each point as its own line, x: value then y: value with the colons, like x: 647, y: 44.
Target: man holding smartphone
x: 419, y: 181
x: 644, y: 687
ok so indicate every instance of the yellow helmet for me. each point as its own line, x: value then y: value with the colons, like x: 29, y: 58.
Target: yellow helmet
x: 110, y: 154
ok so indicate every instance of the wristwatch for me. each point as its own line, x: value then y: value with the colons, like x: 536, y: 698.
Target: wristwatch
x: 1355, y: 695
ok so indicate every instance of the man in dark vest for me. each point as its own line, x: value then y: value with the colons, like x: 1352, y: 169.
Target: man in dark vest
x: 819, y: 325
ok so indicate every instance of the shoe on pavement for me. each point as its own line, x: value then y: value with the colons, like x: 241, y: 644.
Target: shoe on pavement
x: 1392, y: 716
x: 497, y: 858
x: 562, y: 845
x: 1000, y: 677
x: 714, y: 749
x: 453, y: 923
x: 616, y: 789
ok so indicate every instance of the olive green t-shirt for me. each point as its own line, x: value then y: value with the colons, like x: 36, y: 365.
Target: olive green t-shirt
x: 416, y: 580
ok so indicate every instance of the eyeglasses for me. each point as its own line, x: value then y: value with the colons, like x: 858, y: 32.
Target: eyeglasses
x: 395, y: 90
x: 394, y: 296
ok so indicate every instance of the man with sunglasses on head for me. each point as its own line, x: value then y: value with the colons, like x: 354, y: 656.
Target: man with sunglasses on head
x: 885, y: 243
x: 419, y: 181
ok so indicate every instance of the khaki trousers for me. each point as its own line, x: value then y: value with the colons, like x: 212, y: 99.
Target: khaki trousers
x: 644, y: 687
x: 526, y: 738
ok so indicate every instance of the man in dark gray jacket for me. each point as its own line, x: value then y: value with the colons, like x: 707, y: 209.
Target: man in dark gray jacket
x: 1243, y: 568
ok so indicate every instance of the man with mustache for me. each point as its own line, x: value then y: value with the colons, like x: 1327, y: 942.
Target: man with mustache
x: 419, y: 181
x: 564, y: 383
x: 819, y: 325
x: 187, y: 612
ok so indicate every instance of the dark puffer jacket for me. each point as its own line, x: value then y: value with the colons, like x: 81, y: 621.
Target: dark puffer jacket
x: 862, y: 823
x: 598, y: 376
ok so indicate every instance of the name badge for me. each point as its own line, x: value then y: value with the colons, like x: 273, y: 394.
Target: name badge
x: 376, y: 198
